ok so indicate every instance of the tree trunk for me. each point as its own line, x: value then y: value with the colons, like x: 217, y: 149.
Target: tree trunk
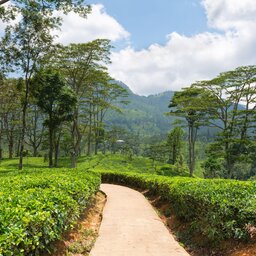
x: 192, y: 139
x: 18, y: 148
x: 10, y: 148
x: 104, y: 147
x: 22, y: 138
x: 228, y: 160
x: 1, y: 150
x: 73, y: 160
x: 90, y: 133
x: 23, y: 127
x: 190, y: 152
x: 76, y: 140
x: 34, y: 151
x: 56, y: 155
x: 56, y: 150
x: 96, y: 147
x: 51, y: 146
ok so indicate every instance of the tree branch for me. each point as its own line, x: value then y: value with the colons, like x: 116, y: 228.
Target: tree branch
x: 3, y: 1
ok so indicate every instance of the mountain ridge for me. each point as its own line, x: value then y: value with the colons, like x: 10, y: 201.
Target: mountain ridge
x: 144, y: 115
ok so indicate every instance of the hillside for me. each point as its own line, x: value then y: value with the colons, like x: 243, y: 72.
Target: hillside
x: 144, y: 115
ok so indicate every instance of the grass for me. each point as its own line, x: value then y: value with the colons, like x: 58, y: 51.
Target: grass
x: 113, y: 162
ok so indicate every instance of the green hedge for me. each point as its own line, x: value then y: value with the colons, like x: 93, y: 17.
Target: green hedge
x: 216, y: 209
x: 36, y: 208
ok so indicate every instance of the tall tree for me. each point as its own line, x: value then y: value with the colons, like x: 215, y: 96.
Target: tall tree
x: 106, y: 96
x: 35, y: 128
x: 233, y: 112
x: 10, y: 112
x: 189, y: 104
x: 76, y: 62
x: 26, y: 42
x: 174, y: 144
x: 83, y: 66
x: 56, y: 100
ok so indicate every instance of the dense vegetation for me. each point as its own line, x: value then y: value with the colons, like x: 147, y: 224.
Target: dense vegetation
x: 227, y: 103
x: 38, y: 206
x: 54, y: 198
x: 222, y: 209
x: 60, y: 98
x: 143, y: 115
x: 214, y: 210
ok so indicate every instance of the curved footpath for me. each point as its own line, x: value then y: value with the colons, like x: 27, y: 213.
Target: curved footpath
x: 131, y: 227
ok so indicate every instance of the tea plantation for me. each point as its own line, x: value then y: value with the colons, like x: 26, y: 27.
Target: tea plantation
x: 215, y: 209
x: 36, y: 207
x: 39, y: 204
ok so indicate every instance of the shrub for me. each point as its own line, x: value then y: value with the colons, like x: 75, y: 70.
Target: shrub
x: 217, y: 209
x: 35, y: 208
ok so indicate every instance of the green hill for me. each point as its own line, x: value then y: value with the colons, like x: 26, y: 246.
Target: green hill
x: 144, y: 115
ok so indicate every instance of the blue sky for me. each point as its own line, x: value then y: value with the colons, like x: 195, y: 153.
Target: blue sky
x: 165, y: 45
x: 170, y: 44
x: 149, y: 21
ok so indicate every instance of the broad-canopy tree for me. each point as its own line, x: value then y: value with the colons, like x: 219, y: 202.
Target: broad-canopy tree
x: 24, y: 45
x: 55, y: 99
x: 78, y: 63
x: 84, y: 68
x: 27, y: 41
x: 105, y: 96
x: 190, y: 104
x: 233, y: 113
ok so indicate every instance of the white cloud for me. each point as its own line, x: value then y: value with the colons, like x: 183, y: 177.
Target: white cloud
x: 230, y: 14
x: 76, y: 29
x: 184, y: 60
x: 99, y: 24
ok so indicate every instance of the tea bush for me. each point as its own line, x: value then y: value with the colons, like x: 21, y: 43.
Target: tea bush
x: 217, y: 209
x: 37, y: 207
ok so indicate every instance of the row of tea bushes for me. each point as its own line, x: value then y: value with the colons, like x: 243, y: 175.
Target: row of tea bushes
x: 215, y: 209
x: 37, y: 207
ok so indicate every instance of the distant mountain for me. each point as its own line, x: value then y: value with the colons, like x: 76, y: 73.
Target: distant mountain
x: 144, y: 115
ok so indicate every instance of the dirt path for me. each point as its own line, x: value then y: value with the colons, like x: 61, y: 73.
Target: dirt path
x: 131, y: 227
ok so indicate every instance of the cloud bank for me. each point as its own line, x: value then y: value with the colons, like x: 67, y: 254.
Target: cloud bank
x: 184, y: 60
x: 99, y: 24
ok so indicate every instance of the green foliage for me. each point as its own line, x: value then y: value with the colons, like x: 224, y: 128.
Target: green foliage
x: 37, y: 207
x: 190, y: 104
x: 213, y: 167
x: 175, y: 143
x: 8, y: 12
x: 217, y: 209
x: 172, y: 171
x: 53, y: 97
x: 232, y: 111
x: 118, y: 162
x: 143, y: 115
